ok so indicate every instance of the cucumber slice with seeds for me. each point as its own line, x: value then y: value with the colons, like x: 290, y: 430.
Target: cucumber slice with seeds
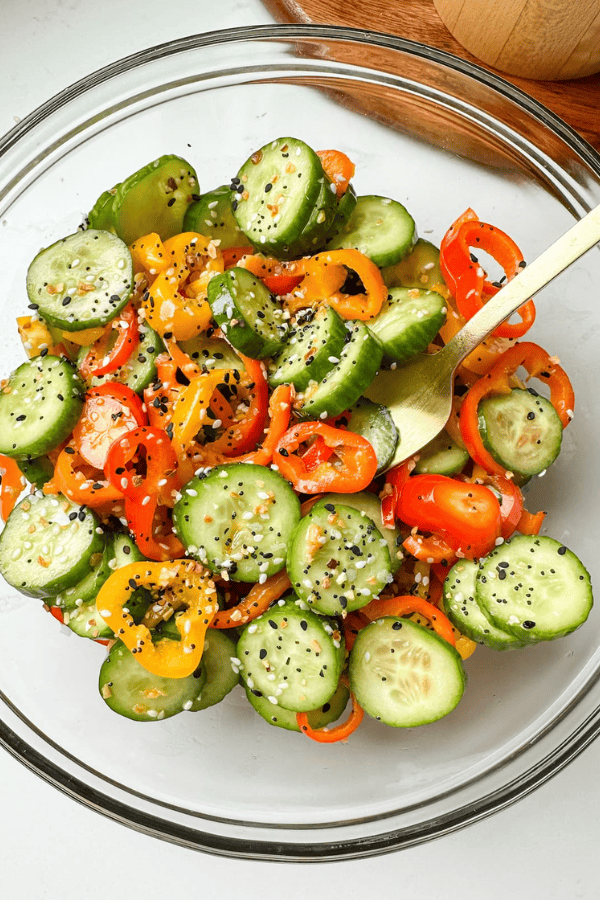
x: 408, y: 322
x: 420, y: 269
x: 338, y: 559
x: 403, y: 674
x: 212, y: 216
x: 345, y: 207
x: 534, y: 588
x: 465, y: 613
x: 101, y: 215
x: 346, y: 382
x: 315, y: 232
x: 275, y: 193
x: 285, y: 718
x: 293, y: 657
x: 220, y: 677
x: 521, y: 430
x: 238, y: 520
x: 380, y: 228
x: 313, y: 349
x: 81, y: 281
x: 441, y: 456
x: 246, y: 312
x: 374, y: 422
x: 370, y: 505
x: 37, y: 471
x: 47, y: 544
x: 39, y: 406
x: 88, y: 587
x: 131, y: 691
x: 155, y: 198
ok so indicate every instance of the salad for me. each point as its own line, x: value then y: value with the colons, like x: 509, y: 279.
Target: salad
x: 213, y: 495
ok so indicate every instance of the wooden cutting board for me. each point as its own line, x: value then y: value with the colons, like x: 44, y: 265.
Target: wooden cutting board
x: 577, y: 101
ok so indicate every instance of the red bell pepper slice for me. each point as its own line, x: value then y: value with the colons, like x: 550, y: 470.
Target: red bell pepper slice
x: 466, y: 515
x: 465, y: 276
x: 497, y: 381
x: 350, y: 469
x: 99, y: 360
x: 149, y: 448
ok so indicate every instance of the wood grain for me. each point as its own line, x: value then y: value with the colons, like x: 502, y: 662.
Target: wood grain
x: 541, y: 39
x: 575, y: 101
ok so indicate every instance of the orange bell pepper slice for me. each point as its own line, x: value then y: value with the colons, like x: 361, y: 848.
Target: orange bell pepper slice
x: 12, y: 483
x: 406, y: 605
x: 86, y: 488
x: 324, y: 275
x: 190, y: 581
x: 338, y: 732
x: 255, y: 603
x: 339, y: 169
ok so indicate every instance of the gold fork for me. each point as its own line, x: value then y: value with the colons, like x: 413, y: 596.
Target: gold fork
x: 419, y: 394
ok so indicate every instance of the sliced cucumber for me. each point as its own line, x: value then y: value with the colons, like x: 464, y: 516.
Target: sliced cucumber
x: 521, y: 430
x: 345, y: 208
x: 140, y: 369
x: 37, y: 471
x: 315, y: 232
x: 238, y: 520
x: 81, y: 281
x: 276, y: 192
x: 463, y: 610
x: 101, y: 214
x: 370, y: 505
x: 246, y: 312
x: 420, y: 269
x: 220, y: 677
x: 155, y: 198
x: 125, y: 550
x: 285, y: 718
x: 47, y: 545
x: 374, y: 422
x: 441, y: 456
x: 131, y: 691
x: 403, y: 674
x: 408, y: 322
x: 88, y: 587
x: 534, y: 588
x: 212, y: 353
x: 39, y: 406
x: 313, y: 349
x: 338, y: 560
x: 292, y: 656
x: 380, y: 228
x: 212, y: 216
x: 345, y: 383
x: 85, y: 621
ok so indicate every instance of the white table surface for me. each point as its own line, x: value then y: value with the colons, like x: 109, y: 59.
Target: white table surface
x: 544, y: 847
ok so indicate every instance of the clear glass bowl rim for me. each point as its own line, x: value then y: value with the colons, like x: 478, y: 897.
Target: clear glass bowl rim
x: 390, y: 840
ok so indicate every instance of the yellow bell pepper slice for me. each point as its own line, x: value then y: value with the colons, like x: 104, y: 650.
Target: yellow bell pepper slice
x: 190, y: 412
x: 148, y: 254
x: 188, y: 581
x: 169, y: 312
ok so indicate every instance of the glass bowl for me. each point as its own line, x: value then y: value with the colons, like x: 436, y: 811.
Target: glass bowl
x: 438, y: 134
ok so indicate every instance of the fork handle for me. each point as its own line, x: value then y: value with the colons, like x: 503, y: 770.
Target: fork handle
x: 558, y: 257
